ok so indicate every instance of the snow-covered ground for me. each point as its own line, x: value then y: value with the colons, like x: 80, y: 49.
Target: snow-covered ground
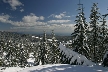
x: 11, y: 69
x: 58, y: 68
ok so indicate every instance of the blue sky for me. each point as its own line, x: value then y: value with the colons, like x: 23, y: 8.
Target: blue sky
x: 34, y: 16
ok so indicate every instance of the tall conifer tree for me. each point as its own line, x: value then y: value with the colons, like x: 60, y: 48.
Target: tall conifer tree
x: 80, y: 33
x: 103, y: 37
x: 95, y: 31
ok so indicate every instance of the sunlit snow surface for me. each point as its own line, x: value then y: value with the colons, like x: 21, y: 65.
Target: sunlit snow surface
x: 80, y: 58
x: 11, y: 69
x: 58, y: 68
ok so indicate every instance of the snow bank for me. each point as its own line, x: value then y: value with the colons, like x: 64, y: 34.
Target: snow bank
x: 11, y: 69
x: 70, y: 54
x: 65, y: 68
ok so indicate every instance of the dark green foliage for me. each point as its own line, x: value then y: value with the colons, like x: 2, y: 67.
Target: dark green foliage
x: 103, y: 37
x: 80, y: 34
x: 48, y: 51
x: 54, y: 51
x: 95, y: 31
x: 91, y: 43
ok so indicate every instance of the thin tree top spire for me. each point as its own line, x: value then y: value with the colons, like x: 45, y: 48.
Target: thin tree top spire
x: 80, y: 6
x: 79, y: 3
x: 53, y: 35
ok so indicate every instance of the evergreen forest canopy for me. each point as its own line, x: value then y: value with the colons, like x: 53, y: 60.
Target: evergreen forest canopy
x: 89, y: 44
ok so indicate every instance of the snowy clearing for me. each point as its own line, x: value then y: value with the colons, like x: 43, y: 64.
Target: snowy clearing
x: 58, y: 68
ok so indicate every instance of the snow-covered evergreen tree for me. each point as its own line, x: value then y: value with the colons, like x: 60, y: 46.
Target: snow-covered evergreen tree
x: 22, y: 55
x: 9, y: 54
x: 54, y: 51
x: 80, y: 34
x: 105, y: 59
x: 103, y: 37
x: 43, y: 50
x: 2, y: 53
x: 48, y: 52
x: 94, y: 35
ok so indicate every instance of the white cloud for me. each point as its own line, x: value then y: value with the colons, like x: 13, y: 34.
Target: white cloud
x: 62, y: 28
x: 32, y: 18
x: 4, y: 18
x: 41, y: 18
x: 13, y: 3
x: 68, y: 16
x: 52, y: 15
x: 33, y: 23
x: 59, y: 21
x: 21, y: 10
x: 29, y: 20
x: 60, y: 16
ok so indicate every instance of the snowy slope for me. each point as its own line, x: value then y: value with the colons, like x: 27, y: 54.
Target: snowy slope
x: 75, y: 56
x: 65, y: 68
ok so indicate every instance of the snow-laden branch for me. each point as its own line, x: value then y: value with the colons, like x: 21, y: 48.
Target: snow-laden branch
x: 70, y: 54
